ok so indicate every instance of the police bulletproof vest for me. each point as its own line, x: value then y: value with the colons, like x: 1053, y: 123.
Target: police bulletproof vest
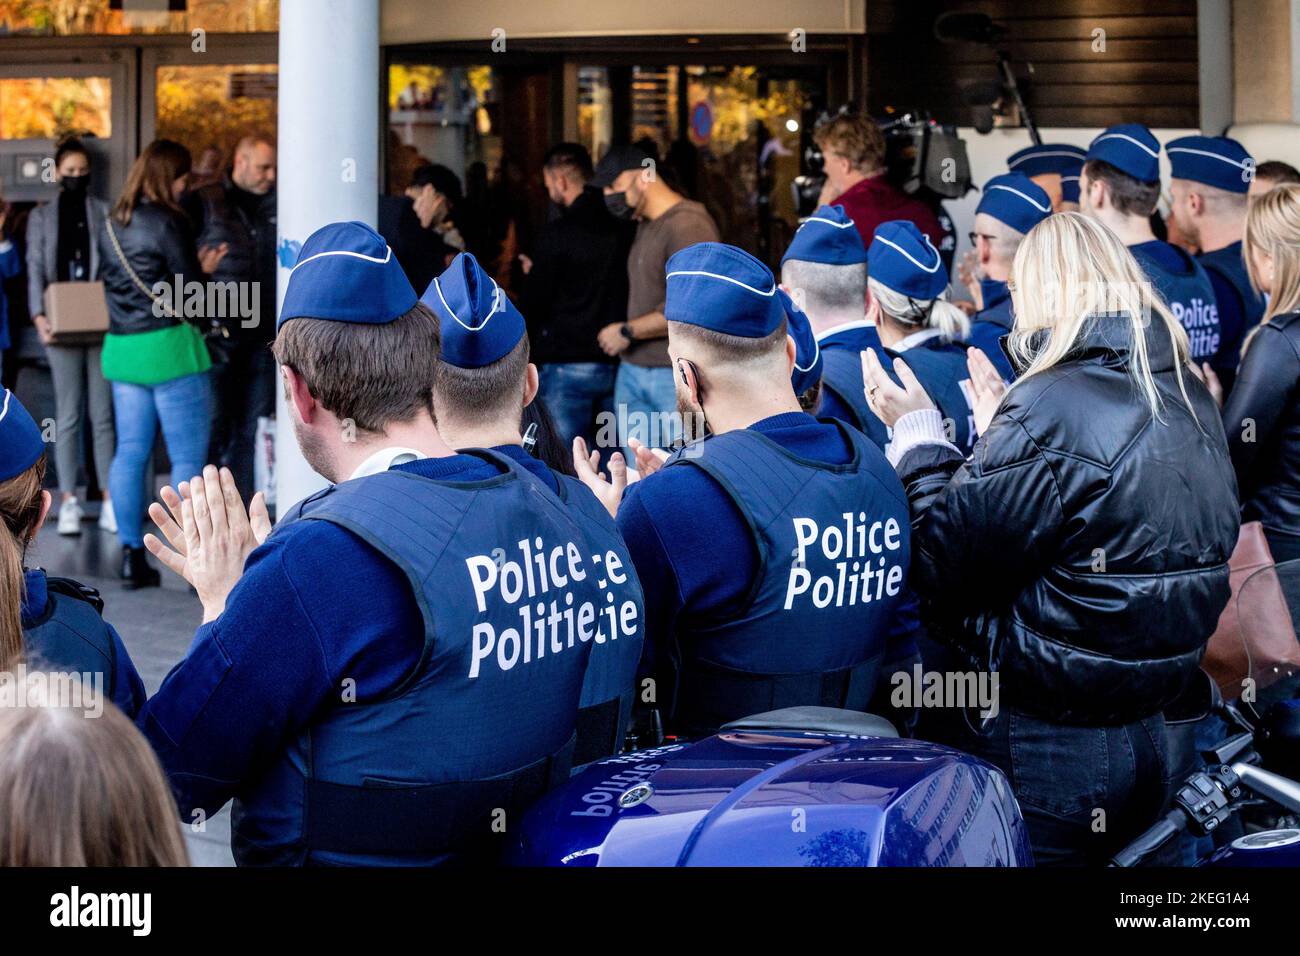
x: 1227, y: 264
x: 991, y: 324
x: 1189, y: 296
x: 834, y: 551
x: 939, y: 367
x: 605, y: 707
x: 71, y: 635
x: 514, y: 590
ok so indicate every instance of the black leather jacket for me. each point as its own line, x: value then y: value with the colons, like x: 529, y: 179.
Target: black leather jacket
x: 246, y: 223
x: 1262, y: 420
x: 1082, y: 551
x: 159, y: 245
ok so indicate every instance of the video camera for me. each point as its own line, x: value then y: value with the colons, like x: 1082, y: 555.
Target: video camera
x: 922, y: 157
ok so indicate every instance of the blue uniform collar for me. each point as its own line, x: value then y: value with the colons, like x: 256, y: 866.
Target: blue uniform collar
x: 997, y: 303
x: 855, y: 335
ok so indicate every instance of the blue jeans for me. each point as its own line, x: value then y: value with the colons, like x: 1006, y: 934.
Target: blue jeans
x: 575, y: 393
x: 1062, y: 775
x: 645, y: 406
x: 183, y: 408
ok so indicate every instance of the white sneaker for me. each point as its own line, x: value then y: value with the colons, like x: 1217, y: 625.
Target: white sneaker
x: 70, y: 515
x: 107, y: 519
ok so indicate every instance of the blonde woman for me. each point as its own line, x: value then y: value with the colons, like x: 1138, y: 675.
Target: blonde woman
x: 1081, y: 553
x: 1262, y: 418
x: 79, y: 785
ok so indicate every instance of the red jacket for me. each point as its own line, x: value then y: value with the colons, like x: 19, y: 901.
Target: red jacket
x: 876, y: 200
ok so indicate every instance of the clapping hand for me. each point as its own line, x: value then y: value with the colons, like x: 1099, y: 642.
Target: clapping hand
x: 987, y: 388
x: 210, y: 533
x: 609, y: 491
x: 886, y: 400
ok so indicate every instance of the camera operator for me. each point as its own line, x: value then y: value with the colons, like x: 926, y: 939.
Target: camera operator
x: 854, y: 151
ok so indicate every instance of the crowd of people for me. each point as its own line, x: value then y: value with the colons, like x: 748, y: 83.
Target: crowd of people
x: 818, y: 480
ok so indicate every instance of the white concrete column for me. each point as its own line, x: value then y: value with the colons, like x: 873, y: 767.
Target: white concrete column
x: 328, y: 157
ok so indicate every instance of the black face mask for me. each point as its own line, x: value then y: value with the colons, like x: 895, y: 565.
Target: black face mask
x: 75, y: 184
x: 617, y: 205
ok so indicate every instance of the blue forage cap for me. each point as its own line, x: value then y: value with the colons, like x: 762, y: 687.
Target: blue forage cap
x: 21, y: 445
x: 347, y: 273
x: 807, y: 354
x: 479, y: 323
x: 1131, y: 149
x: 1044, y: 158
x: 828, y: 236
x: 720, y: 287
x: 1213, y: 160
x: 1015, y: 200
x: 1070, y: 188
x: 902, y: 258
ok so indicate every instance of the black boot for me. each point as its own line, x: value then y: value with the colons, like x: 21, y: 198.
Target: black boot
x: 136, y: 572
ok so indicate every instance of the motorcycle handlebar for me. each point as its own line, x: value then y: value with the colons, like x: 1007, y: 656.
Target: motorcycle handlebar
x: 1170, y: 825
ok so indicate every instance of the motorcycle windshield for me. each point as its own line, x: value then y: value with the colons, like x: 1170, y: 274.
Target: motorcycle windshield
x: 1268, y: 608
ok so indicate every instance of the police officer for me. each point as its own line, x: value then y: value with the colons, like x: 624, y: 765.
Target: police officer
x: 1010, y: 206
x: 1210, y: 178
x: 773, y: 525
x: 914, y: 319
x: 396, y: 670
x: 1054, y: 168
x: 825, y: 272
x: 483, y: 383
x: 51, y: 623
x: 1119, y: 186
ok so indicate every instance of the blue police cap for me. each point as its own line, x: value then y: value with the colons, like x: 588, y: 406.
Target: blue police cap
x: 1213, y: 160
x: 902, y: 258
x: 1070, y: 188
x: 720, y: 287
x: 480, y: 325
x: 828, y: 236
x: 21, y: 445
x: 807, y: 353
x: 1131, y: 149
x: 1015, y: 200
x: 346, y: 272
x: 1045, y: 158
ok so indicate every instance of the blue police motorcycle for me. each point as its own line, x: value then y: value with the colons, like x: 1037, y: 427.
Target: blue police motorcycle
x: 816, y: 786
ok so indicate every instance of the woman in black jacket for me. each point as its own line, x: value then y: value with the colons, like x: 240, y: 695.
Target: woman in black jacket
x: 1081, y: 553
x: 156, y: 361
x: 1262, y: 418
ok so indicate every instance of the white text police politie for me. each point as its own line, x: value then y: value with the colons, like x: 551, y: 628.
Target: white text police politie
x: 554, y: 623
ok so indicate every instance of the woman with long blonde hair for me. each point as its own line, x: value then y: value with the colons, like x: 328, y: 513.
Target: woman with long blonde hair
x: 1262, y: 417
x: 1081, y: 553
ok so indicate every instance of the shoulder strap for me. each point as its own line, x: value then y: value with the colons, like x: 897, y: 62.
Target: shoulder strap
x: 135, y: 278
x: 75, y: 589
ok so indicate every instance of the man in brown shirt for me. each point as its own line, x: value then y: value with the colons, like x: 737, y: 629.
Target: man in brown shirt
x: 645, y: 398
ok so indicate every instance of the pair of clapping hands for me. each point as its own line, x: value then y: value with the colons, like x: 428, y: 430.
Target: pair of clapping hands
x: 609, y: 491
x: 889, y: 402
x: 210, y: 533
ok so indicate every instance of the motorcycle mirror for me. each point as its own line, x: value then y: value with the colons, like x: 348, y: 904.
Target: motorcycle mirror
x: 1199, y: 699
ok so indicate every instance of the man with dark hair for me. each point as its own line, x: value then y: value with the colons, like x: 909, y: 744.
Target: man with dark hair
x: 856, y: 178
x: 667, y: 222
x: 1271, y: 173
x: 484, y: 382
x: 576, y: 286
x: 1209, y: 179
x: 773, y: 551
x: 396, y: 672
x: 436, y: 194
x: 1119, y: 187
x: 239, y: 211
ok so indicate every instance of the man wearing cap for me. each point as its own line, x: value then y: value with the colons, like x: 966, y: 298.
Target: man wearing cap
x: 1120, y: 186
x: 774, y: 526
x: 1210, y: 178
x: 483, y: 383
x: 666, y: 222
x: 1009, y: 207
x: 1054, y: 168
x: 395, y: 670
